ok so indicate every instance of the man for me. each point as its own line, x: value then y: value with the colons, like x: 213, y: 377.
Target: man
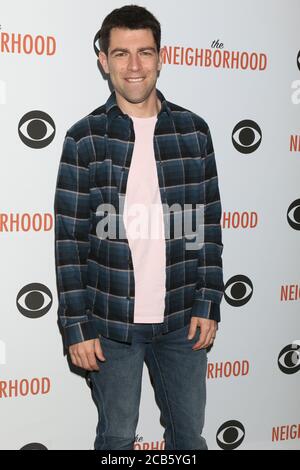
x: 124, y: 300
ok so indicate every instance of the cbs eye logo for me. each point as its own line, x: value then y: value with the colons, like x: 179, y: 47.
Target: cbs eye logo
x: 34, y: 300
x: 34, y: 446
x: 293, y: 215
x: 289, y: 359
x: 238, y: 290
x: 246, y: 136
x: 36, y: 129
x: 298, y: 60
x: 230, y: 435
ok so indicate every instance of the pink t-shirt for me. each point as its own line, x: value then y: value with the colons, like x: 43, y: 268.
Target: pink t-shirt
x: 143, y: 221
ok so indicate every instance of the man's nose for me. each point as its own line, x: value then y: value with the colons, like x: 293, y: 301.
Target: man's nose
x: 134, y: 62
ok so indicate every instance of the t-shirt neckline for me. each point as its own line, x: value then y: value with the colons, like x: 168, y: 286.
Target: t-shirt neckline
x: 143, y: 118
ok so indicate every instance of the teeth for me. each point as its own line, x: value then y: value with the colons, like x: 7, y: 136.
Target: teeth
x: 135, y: 79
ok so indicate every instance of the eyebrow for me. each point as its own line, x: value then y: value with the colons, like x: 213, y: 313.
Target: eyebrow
x: 121, y: 49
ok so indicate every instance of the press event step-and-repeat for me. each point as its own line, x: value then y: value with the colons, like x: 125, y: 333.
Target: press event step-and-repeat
x: 236, y: 64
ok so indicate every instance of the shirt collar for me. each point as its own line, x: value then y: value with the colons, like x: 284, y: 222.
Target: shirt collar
x: 112, y: 108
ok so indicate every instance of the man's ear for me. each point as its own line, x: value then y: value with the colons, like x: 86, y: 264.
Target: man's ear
x: 161, y: 57
x: 103, y: 61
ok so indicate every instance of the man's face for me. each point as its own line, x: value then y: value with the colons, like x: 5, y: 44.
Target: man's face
x: 132, y: 55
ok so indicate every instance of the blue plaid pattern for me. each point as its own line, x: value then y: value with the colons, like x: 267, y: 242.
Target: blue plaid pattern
x: 95, y: 276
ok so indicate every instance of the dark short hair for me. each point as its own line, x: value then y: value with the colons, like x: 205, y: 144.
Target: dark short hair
x: 131, y: 17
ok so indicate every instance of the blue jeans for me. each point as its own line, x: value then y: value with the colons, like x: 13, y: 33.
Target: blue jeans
x: 179, y: 378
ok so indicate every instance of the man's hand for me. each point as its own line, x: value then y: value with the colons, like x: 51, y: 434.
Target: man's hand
x: 208, y: 329
x: 84, y: 354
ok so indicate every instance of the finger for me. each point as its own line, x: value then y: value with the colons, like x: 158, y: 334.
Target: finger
x: 98, y: 351
x: 78, y: 362
x: 92, y: 361
x: 84, y: 361
x: 211, y: 341
x: 73, y: 359
x: 203, y: 340
x: 208, y: 342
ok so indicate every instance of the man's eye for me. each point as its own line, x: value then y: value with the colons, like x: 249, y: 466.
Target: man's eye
x: 119, y: 54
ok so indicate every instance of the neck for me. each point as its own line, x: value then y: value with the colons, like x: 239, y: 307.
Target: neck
x: 150, y: 107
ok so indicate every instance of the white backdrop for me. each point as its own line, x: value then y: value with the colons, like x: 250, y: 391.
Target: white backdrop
x: 254, y: 365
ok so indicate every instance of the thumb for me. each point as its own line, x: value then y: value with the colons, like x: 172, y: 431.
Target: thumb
x: 192, y: 330
x: 98, y: 351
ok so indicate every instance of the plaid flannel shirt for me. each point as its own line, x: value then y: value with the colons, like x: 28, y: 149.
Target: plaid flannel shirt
x: 95, y: 276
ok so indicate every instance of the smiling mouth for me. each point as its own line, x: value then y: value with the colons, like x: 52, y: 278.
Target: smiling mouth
x: 134, y: 80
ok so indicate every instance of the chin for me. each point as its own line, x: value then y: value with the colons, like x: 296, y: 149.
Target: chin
x: 138, y: 98
x: 135, y: 100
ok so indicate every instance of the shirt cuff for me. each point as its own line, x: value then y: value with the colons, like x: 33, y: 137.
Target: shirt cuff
x: 206, y: 309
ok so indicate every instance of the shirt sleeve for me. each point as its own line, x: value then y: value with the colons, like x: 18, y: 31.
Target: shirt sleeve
x: 72, y: 224
x: 210, y: 286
